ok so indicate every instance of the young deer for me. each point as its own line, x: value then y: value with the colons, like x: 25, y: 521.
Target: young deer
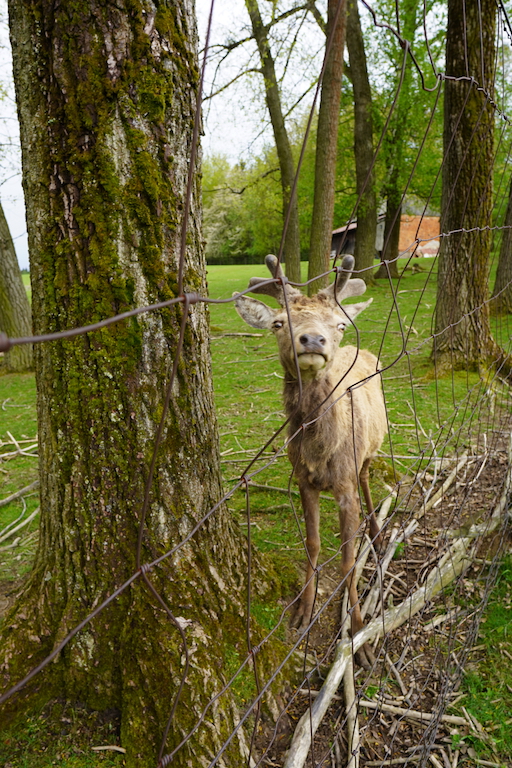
x: 334, y: 402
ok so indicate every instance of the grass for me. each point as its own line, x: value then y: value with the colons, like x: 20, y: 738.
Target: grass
x: 487, y: 681
x: 17, y: 420
x: 426, y: 415
x: 61, y: 735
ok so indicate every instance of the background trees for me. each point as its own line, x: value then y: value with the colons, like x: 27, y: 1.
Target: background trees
x: 106, y: 97
x: 15, y: 315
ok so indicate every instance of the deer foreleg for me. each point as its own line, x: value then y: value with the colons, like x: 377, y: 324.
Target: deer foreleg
x: 311, y: 506
x: 349, y: 523
x: 364, y: 479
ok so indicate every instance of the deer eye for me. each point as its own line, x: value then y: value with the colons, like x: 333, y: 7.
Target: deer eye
x: 277, y: 324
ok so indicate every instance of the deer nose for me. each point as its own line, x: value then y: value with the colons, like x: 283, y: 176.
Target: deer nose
x: 308, y: 339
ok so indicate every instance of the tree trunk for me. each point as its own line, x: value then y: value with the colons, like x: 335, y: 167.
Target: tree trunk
x: 502, y: 293
x: 106, y: 96
x: 391, y: 235
x: 463, y: 336
x: 364, y: 253
x: 284, y: 150
x: 15, y: 315
x: 326, y: 150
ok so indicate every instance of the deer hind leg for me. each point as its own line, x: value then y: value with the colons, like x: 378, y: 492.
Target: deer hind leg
x: 349, y: 523
x: 311, y: 506
x: 364, y: 479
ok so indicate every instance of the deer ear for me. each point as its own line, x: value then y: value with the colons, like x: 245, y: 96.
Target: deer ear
x: 254, y: 312
x: 352, y: 310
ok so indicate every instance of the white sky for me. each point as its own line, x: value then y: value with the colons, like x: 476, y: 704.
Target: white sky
x: 235, y: 122
x: 11, y: 192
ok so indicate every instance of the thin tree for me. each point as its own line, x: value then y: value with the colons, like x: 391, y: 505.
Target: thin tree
x: 502, y: 292
x: 106, y: 96
x: 326, y: 147
x: 283, y: 146
x: 463, y: 335
x: 395, y: 141
x: 15, y: 315
x: 364, y: 252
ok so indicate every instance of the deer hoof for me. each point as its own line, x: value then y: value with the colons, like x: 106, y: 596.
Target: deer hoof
x: 365, y: 657
x: 301, y: 617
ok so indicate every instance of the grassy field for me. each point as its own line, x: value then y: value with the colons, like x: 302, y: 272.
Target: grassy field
x: 428, y: 417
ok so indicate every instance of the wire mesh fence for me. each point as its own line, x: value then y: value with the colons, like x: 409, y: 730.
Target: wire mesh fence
x: 442, y: 478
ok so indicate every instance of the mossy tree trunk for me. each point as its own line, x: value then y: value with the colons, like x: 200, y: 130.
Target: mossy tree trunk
x: 326, y: 150
x: 106, y: 97
x: 463, y: 334
x: 502, y: 292
x: 364, y: 253
x: 15, y: 315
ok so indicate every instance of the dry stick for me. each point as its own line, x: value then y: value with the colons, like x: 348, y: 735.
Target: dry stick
x: 413, y: 713
x: 17, y: 495
x: 448, y: 568
x: 21, y: 525
x: 442, y: 490
x: 349, y: 692
x: 11, y: 546
x: 287, y: 491
x: 396, y: 538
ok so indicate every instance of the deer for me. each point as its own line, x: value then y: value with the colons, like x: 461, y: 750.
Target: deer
x: 336, y: 414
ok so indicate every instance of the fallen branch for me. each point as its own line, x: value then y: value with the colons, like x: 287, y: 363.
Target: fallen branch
x: 349, y: 691
x: 438, y: 495
x: 11, y: 546
x: 287, y: 491
x: 17, y: 495
x: 222, y: 335
x: 456, y: 558
x: 20, y: 526
x: 413, y: 713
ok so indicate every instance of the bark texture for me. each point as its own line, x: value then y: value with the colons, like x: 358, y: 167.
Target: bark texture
x: 364, y: 253
x: 15, y: 315
x: 326, y: 150
x: 463, y: 335
x: 283, y: 146
x: 502, y: 293
x: 106, y: 94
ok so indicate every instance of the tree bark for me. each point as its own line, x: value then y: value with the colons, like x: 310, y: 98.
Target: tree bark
x: 15, y: 314
x: 364, y: 253
x: 463, y: 335
x: 502, y: 293
x: 326, y: 150
x: 106, y: 97
x: 283, y: 146
x: 389, y: 265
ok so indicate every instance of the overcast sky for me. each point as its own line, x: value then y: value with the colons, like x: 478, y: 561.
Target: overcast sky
x: 235, y: 124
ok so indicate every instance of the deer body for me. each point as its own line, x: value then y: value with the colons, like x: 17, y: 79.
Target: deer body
x: 336, y: 411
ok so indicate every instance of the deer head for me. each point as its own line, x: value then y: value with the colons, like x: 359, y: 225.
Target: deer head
x: 313, y: 326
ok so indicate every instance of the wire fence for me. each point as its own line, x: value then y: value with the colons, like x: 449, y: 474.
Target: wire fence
x: 444, y: 478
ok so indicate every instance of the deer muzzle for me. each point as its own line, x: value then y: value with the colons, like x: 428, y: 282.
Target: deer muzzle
x: 311, y: 351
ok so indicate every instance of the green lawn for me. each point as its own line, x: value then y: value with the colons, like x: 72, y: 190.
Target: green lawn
x: 428, y: 417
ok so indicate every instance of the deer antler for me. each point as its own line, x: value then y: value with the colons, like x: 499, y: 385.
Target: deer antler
x: 344, y: 287
x: 273, y: 289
